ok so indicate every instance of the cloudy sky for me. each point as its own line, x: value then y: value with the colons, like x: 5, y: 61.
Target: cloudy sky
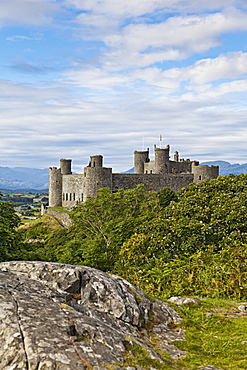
x: 86, y: 77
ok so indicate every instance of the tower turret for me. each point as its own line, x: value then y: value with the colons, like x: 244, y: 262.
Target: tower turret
x: 96, y: 178
x: 140, y: 157
x: 161, y: 159
x: 176, y: 156
x: 65, y: 165
x: 96, y: 161
x: 55, y: 187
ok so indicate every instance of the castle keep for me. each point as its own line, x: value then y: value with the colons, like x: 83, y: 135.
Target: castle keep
x: 66, y: 189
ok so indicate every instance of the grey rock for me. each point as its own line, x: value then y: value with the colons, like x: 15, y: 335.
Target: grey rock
x: 183, y: 300
x: 55, y: 316
x: 208, y: 367
x: 242, y: 307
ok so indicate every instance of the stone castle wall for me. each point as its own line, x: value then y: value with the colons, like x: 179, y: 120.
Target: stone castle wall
x: 154, y: 182
x: 72, y: 190
x: 62, y: 218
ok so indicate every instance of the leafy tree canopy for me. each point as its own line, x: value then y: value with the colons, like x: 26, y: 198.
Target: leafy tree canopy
x: 9, y: 239
x: 103, y: 223
x: 209, y: 214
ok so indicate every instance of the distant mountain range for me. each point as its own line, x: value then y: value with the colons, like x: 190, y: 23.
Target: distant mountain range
x: 23, y: 178
x: 35, y: 179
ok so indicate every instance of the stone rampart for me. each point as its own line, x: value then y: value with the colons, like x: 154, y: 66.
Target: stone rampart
x: 155, y: 182
x: 61, y: 217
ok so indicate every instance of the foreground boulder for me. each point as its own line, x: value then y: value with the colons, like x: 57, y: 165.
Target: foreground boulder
x: 55, y: 316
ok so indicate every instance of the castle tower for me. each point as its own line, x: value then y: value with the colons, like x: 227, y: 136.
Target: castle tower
x: 161, y: 159
x: 96, y: 178
x: 140, y: 157
x: 65, y: 165
x: 55, y: 187
x: 96, y: 161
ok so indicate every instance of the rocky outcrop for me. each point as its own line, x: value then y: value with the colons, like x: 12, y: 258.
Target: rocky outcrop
x: 55, y: 316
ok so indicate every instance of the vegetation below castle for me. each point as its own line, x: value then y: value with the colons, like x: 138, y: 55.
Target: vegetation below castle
x: 190, y: 243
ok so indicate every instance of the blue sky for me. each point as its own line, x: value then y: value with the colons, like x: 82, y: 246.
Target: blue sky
x: 86, y: 77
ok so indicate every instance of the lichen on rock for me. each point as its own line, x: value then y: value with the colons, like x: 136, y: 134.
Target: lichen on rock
x: 57, y: 316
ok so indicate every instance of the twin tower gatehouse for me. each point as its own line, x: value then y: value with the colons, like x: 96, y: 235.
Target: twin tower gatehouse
x: 66, y: 189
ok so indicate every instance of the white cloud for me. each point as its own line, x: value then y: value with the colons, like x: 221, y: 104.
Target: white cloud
x: 135, y: 8
x: 228, y: 66
x: 16, y: 38
x: 28, y: 12
x: 222, y: 91
x: 175, y: 39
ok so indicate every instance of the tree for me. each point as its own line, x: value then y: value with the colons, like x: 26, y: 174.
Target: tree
x: 103, y: 224
x: 166, y: 196
x: 9, y: 239
x: 209, y: 214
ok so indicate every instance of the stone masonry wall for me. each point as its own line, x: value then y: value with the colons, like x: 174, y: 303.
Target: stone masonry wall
x: 204, y: 173
x: 152, y: 182
x: 72, y: 190
x: 61, y: 217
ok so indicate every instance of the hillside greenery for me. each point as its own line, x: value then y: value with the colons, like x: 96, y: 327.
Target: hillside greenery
x: 192, y: 243
x: 9, y: 237
x: 189, y: 243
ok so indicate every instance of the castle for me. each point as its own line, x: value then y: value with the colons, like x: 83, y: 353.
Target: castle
x: 66, y: 189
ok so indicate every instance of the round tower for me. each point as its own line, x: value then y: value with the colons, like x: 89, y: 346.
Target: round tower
x: 140, y: 157
x: 65, y: 165
x: 94, y: 179
x: 55, y: 187
x: 161, y: 159
x: 96, y: 161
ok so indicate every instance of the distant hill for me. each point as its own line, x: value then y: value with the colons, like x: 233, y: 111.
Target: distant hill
x: 226, y: 168
x: 23, y: 178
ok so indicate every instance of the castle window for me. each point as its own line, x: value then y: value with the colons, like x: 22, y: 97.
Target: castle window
x: 74, y: 196
x: 70, y: 196
x: 200, y: 177
x: 151, y: 171
x: 93, y: 164
x: 66, y: 196
x: 82, y: 197
x: 146, y: 171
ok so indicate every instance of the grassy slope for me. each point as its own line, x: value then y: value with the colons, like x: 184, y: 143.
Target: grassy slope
x: 215, y: 340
